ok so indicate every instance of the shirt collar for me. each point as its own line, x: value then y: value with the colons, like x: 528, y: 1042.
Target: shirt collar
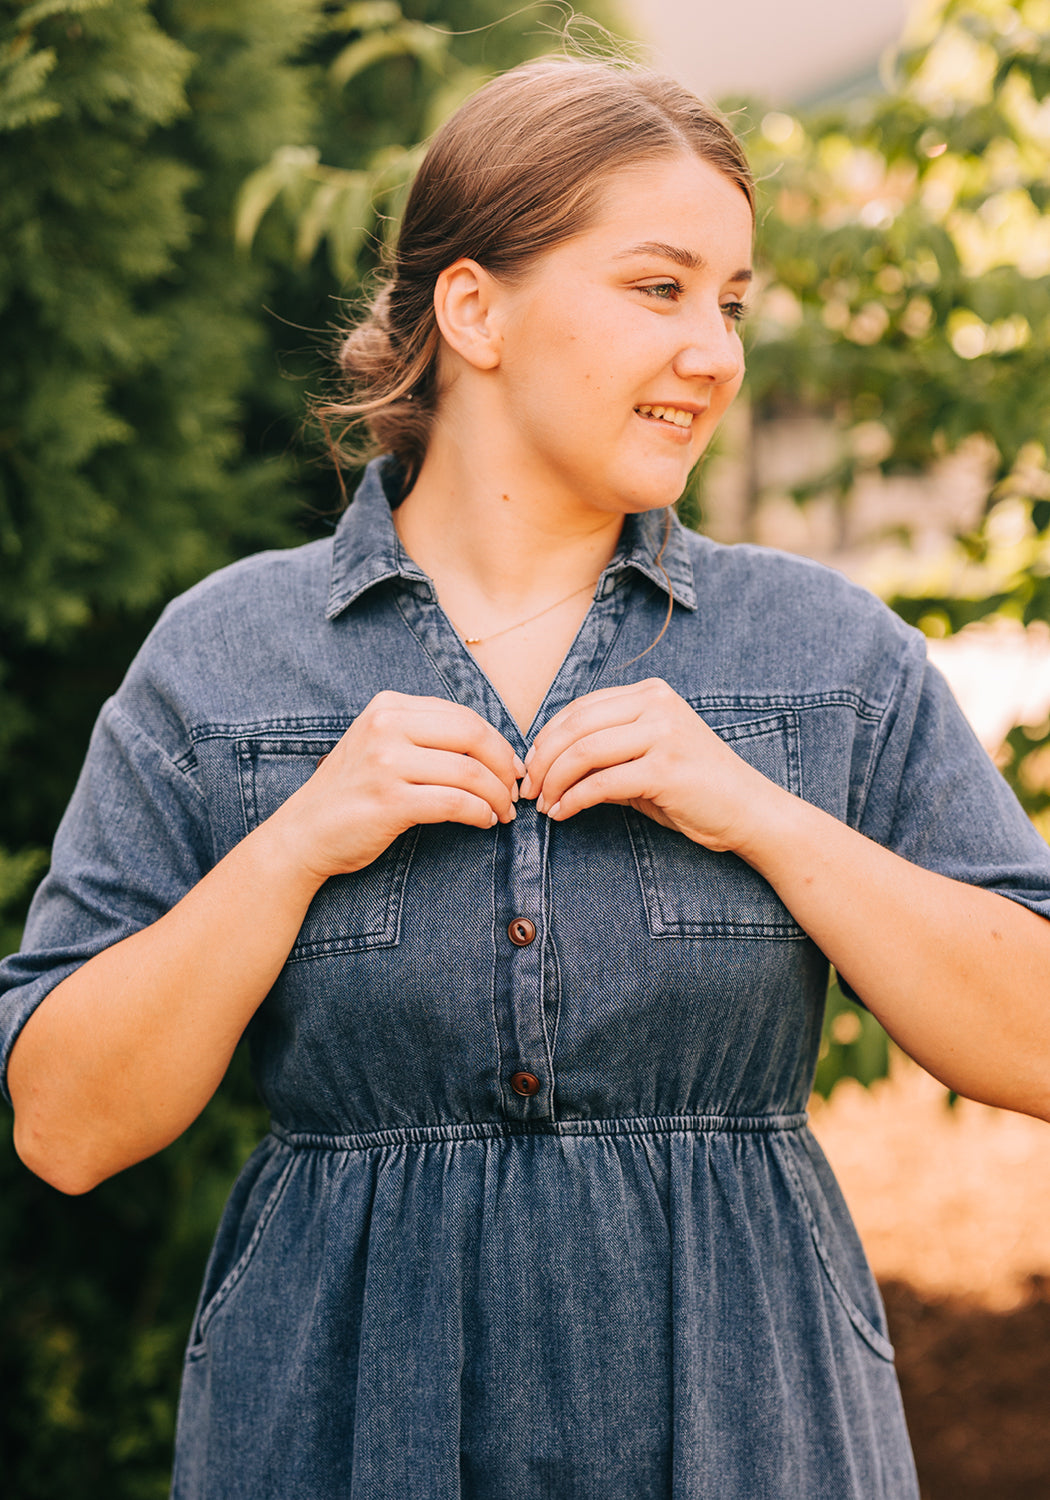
x: 367, y: 550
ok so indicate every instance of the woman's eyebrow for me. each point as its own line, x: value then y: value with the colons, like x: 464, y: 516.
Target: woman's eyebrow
x: 686, y: 258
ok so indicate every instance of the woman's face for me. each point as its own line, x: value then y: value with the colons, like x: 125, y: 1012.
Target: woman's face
x: 637, y: 313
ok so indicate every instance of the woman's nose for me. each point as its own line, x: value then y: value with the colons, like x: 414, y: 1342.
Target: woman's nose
x: 712, y: 351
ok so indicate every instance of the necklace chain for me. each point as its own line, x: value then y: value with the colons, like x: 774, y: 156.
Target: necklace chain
x: 480, y: 640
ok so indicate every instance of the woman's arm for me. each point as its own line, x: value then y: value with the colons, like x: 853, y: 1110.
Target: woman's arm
x: 124, y: 1053
x: 959, y: 976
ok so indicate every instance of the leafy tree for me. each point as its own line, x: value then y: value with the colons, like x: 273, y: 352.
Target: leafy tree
x: 904, y: 255
x: 131, y: 329
x: 149, y: 404
x: 131, y: 333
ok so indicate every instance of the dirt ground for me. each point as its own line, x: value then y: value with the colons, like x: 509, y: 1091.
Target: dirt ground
x: 953, y: 1206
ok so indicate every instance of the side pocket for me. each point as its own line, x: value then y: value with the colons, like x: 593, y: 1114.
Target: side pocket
x: 252, y: 1204
x: 839, y: 1250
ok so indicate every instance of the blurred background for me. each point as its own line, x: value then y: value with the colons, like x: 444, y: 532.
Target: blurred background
x: 191, y: 196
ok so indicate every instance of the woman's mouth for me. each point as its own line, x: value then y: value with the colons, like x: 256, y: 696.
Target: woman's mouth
x: 672, y: 414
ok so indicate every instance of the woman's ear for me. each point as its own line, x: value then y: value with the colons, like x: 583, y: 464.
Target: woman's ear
x: 463, y: 305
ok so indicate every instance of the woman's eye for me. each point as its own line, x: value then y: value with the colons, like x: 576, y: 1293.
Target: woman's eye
x: 736, y: 312
x: 664, y: 291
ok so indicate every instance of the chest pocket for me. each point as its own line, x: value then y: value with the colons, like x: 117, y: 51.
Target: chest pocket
x: 350, y: 913
x: 691, y: 892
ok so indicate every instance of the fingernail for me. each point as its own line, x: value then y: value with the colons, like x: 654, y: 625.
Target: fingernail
x: 519, y: 765
x: 530, y: 754
x: 554, y: 810
x: 525, y: 789
x: 493, y: 820
x: 512, y: 815
x: 540, y: 805
x: 514, y: 793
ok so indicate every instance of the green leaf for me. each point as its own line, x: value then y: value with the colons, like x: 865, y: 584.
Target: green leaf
x: 286, y: 169
x: 406, y: 40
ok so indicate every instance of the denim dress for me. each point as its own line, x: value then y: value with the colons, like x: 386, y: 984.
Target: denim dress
x: 539, y: 1214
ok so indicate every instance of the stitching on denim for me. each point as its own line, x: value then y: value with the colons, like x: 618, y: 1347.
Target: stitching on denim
x: 832, y: 698
x: 679, y: 931
x: 784, y: 725
x: 418, y: 635
x: 548, y: 1045
x: 335, y: 725
x: 864, y: 1327
x: 551, y: 947
x: 246, y: 787
x: 500, y: 1094
x: 187, y: 762
x: 497, y: 1130
x: 883, y: 734
x: 400, y: 882
x: 113, y: 709
x: 236, y: 1272
x: 328, y: 727
x: 389, y: 870
x: 391, y: 867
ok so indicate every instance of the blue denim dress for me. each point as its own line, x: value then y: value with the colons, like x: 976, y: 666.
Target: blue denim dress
x: 539, y: 1213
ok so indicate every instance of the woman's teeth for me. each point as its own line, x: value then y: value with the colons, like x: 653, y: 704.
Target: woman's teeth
x: 667, y: 414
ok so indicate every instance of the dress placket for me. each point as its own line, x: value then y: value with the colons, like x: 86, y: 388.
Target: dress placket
x: 523, y: 959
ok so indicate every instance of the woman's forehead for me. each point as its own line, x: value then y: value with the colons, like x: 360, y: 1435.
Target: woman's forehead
x: 681, y: 207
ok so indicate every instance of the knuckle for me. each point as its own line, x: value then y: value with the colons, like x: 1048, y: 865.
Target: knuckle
x: 384, y: 718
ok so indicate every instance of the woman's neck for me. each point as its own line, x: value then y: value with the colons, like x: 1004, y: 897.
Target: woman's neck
x: 496, y: 542
x: 514, y: 566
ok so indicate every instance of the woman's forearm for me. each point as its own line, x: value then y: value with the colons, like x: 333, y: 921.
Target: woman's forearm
x: 124, y: 1054
x: 958, y: 976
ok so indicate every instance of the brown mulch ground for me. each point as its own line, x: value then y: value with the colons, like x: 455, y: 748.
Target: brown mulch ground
x: 976, y: 1387
x: 954, y: 1208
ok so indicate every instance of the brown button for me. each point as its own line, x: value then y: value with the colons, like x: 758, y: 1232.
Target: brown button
x: 525, y: 1084
x: 521, y: 933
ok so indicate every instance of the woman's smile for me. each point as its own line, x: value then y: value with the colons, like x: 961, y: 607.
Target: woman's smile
x: 675, y: 416
x: 633, y: 322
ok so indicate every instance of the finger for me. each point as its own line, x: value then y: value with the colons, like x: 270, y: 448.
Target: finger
x: 587, y: 715
x: 439, y: 724
x: 621, y: 783
x: 465, y: 732
x: 608, y: 747
x: 429, y: 767
x: 447, y: 804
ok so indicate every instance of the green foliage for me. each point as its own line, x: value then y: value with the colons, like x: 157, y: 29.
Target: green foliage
x: 132, y: 340
x: 904, y: 294
x: 853, y: 1045
x: 97, y: 1294
x: 149, y: 401
x: 905, y: 252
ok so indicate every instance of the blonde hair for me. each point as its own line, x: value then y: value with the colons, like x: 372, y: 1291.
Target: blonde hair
x: 517, y: 170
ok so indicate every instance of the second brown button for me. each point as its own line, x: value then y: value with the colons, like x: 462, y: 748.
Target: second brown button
x: 525, y: 1084
x: 521, y: 932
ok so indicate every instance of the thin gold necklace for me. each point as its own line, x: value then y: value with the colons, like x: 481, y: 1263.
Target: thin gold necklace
x: 481, y: 640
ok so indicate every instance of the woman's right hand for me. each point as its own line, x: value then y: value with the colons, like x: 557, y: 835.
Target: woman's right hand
x: 127, y: 1050
x: 405, y: 760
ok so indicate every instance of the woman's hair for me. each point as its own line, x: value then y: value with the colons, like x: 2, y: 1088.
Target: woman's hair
x: 517, y: 170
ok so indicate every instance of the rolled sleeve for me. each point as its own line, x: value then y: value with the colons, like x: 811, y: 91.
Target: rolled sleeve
x: 134, y: 839
x: 937, y: 799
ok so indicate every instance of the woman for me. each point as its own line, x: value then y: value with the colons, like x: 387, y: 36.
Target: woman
x: 517, y: 826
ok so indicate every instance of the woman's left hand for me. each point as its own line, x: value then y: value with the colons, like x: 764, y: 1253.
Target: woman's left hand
x: 644, y: 747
